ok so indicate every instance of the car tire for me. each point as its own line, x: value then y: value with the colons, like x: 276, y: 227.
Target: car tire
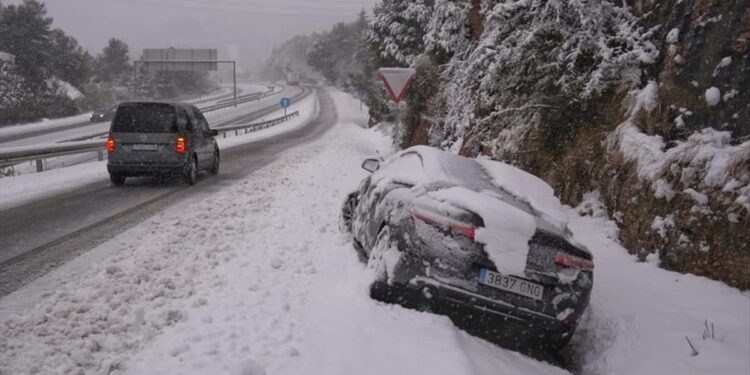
x: 191, y: 171
x: 117, y: 179
x: 347, y: 214
x: 217, y: 160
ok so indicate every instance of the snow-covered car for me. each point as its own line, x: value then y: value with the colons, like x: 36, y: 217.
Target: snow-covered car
x: 478, y: 240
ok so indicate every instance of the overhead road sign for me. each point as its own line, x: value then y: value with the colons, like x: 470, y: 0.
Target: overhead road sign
x: 397, y: 81
x: 183, y: 60
x: 180, y: 60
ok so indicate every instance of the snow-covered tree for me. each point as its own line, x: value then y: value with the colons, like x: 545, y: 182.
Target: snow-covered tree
x: 114, y: 61
x: 398, y: 28
x: 535, y: 60
x: 13, y: 91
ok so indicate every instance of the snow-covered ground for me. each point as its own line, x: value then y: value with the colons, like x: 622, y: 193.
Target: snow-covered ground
x: 257, y: 279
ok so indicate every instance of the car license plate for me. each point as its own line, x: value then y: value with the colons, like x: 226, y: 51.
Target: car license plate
x: 142, y: 147
x: 511, y: 284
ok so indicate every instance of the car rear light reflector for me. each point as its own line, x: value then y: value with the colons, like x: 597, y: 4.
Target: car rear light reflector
x: 181, y: 147
x: 110, y: 144
x: 571, y: 261
x: 445, y: 222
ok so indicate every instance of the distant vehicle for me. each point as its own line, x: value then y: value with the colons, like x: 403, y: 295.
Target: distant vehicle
x: 101, y: 115
x: 156, y: 138
x: 442, y: 234
x: 292, y: 79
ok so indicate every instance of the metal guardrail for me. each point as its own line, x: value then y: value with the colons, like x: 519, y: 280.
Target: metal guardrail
x: 234, y: 103
x: 22, y: 154
x: 249, y: 128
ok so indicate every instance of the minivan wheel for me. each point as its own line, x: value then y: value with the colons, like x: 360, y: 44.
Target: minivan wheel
x: 215, y: 167
x: 191, y: 173
x: 117, y: 179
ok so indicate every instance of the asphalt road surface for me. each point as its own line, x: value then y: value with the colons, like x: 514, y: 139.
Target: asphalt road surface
x: 42, y: 235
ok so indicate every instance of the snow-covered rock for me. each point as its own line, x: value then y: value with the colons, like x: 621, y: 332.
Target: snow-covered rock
x: 673, y: 36
x: 713, y: 96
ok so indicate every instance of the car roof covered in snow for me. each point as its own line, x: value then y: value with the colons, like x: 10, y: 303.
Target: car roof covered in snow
x: 439, y: 169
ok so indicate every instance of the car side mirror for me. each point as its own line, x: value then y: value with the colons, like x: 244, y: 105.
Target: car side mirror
x: 371, y: 165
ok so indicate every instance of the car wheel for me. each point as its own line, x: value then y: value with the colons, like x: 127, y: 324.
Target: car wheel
x: 347, y: 214
x: 215, y: 167
x: 117, y: 179
x: 191, y: 172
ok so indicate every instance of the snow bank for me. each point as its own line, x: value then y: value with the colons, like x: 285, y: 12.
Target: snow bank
x: 45, y: 124
x: 67, y: 89
x: 640, y: 315
x: 15, y: 191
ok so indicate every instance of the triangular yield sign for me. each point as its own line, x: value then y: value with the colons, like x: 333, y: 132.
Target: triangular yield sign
x: 397, y: 81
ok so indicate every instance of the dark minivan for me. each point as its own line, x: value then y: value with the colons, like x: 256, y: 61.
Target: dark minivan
x: 160, y: 139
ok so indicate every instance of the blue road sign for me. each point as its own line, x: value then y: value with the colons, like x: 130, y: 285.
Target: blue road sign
x: 285, y: 102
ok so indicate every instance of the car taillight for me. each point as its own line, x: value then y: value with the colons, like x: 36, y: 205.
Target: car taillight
x: 571, y: 261
x: 110, y: 144
x: 445, y: 222
x: 181, y: 147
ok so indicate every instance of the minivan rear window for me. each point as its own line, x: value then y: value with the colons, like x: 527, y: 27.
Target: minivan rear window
x: 145, y: 118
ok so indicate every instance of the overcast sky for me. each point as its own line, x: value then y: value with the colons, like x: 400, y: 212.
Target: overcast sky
x: 243, y: 29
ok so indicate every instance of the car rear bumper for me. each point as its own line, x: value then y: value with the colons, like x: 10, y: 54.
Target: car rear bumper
x: 514, y: 327
x: 140, y: 169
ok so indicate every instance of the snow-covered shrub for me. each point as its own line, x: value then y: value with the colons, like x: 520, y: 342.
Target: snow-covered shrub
x: 707, y: 160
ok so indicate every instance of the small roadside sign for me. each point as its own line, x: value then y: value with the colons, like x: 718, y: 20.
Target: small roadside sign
x: 285, y: 103
x: 397, y: 81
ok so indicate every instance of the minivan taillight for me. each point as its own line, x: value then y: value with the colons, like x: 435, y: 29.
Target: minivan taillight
x: 445, y: 222
x: 110, y: 144
x: 571, y: 261
x: 181, y: 147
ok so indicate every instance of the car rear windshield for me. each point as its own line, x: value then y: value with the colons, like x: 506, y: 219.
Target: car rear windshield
x: 145, y: 118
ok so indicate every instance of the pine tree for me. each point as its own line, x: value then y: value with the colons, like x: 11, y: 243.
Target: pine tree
x: 114, y: 61
x: 25, y: 33
x: 71, y: 63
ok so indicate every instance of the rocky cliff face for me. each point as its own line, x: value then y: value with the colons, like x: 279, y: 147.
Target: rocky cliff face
x: 648, y: 105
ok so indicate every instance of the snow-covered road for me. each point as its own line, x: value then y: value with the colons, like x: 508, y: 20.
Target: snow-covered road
x: 256, y: 278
